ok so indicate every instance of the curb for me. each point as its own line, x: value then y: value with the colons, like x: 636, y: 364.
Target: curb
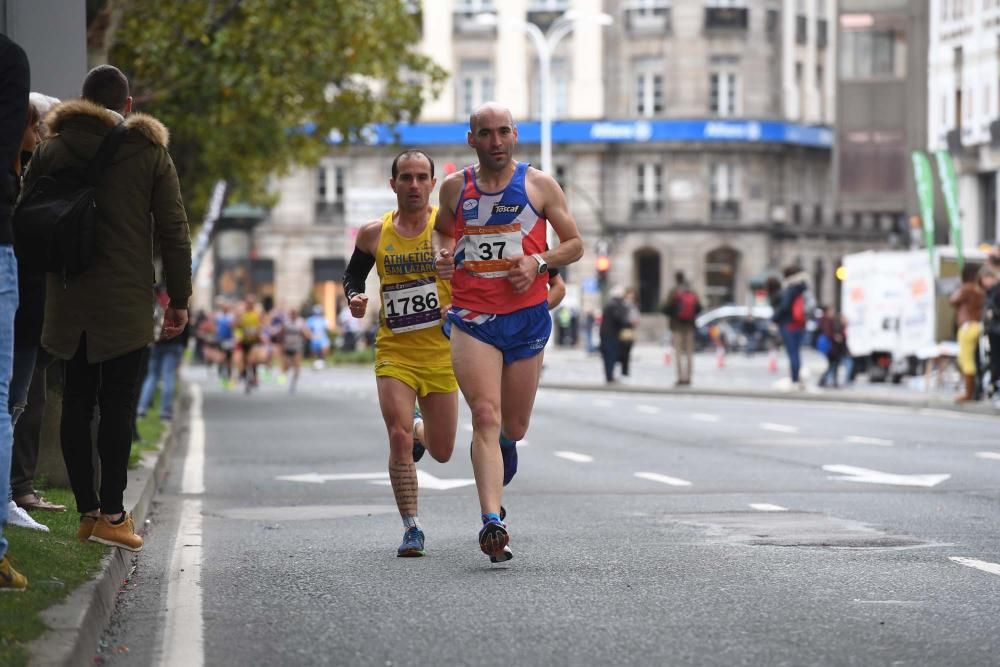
x: 981, y: 408
x: 76, y: 624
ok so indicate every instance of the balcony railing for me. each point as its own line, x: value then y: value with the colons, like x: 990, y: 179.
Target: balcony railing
x: 645, y: 210
x: 648, y: 22
x: 465, y: 23
x: 726, y: 210
x: 727, y: 18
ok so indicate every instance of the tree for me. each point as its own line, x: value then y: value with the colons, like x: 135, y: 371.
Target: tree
x: 249, y: 88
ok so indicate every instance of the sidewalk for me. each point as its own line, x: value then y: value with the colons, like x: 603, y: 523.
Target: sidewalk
x: 741, y: 376
x: 75, y: 626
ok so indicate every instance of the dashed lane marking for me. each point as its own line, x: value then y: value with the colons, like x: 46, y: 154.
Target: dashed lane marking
x: 865, y: 440
x: 602, y: 403
x: 985, y: 566
x: 779, y: 428
x: 705, y: 417
x: 648, y: 409
x: 663, y: 479
x: 992, y: 456
x: 574, y: 456
x: 767, y: 507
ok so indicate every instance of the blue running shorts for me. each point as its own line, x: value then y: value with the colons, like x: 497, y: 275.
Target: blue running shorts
x: 518, y: 335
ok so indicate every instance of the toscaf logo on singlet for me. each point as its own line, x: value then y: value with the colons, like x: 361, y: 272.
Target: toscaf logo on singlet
x: 501, y: 208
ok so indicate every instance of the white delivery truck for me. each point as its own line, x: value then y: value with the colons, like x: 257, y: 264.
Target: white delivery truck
x: 897, y: 309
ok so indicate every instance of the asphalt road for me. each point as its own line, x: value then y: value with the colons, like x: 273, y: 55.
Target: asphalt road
x: 647, y: 530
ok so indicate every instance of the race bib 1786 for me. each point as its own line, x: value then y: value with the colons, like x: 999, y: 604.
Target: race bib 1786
x: 411, y: 305
x: 489, y: 249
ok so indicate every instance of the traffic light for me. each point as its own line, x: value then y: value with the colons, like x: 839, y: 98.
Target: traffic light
x: 603, y: 265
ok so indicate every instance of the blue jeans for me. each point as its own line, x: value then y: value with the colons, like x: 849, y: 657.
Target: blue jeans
x: 163, y: 362
x: 793, y: 347
x: 8, y: 306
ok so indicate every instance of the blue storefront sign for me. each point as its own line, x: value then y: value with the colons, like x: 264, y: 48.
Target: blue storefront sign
x: 613, y: 131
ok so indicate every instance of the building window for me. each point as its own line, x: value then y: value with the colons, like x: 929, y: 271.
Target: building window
x: 648, y: 188
x: 801, y: 25
x: 475, y: 86
x: 721, y: 267
x: 649, y: 88
x: 872, y: 47
x: 648, y: 263
x: 329, y: 192
x: 723, y: 94
x: 559, y: 90
x: 796, y: 213
x: 818, y: 214
x: 724, y: 192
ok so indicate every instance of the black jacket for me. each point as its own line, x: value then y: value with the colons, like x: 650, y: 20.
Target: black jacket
x: 14, y: 88
x: 614, y: 318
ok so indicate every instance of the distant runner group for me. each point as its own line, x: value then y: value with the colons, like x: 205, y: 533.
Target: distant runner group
x: 465, y: 289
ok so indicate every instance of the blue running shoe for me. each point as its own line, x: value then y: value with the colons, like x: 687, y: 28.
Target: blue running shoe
x: 418, y: 447
x: 413, y: 544
x: 508, y: 449
x: 493, y: 539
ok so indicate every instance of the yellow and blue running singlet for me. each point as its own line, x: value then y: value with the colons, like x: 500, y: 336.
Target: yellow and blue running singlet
x: 413, y: 302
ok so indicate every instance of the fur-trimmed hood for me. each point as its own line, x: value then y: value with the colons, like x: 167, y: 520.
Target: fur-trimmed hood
x: 143, y: 124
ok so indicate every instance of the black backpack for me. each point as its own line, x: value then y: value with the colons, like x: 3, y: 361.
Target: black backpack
x: 54, y: 222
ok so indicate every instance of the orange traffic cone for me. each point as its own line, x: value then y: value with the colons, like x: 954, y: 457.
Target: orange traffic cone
x: 668, y: 356
x: 772, y: 362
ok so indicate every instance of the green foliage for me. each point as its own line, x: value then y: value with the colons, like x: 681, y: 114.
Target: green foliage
x: 232, y: 79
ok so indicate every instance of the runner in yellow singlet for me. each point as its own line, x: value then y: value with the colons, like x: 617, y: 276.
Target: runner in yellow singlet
x: 412, y: 354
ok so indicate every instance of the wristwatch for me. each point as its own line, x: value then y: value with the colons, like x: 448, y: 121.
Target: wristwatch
x: 543, y: 266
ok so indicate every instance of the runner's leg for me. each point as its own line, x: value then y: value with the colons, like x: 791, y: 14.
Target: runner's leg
x: 518, y: 387
x: 396, y: 400
x: 478, y: 369
x: 440, y: 424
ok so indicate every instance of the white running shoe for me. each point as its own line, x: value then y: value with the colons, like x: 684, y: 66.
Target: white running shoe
x: 17, y: 516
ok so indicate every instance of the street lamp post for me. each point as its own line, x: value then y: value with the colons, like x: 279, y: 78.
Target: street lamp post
x: 545, y: 46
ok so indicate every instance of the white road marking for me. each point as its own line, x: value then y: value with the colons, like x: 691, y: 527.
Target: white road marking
x: 183, y: 639
x: 648, y: 409
x: 865, y: 440
x: 779, y: 428
x: 992, y: 568
x: 767, y: 507
x: 663, y: 479
x: 424, y: 479
x: 993, y: 456
x: 573, y: 456
x: 866, y: 476
x: 193, y: 478
x: 705, y: 417
x: 602, y: 403
x: 183, y: 633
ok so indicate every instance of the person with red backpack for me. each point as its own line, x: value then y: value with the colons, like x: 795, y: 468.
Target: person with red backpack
x: 791, y: 313
x: 682, y: 308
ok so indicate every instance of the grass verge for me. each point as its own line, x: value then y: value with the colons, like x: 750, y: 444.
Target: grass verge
x: 150, y: 430
x: 55, y: 564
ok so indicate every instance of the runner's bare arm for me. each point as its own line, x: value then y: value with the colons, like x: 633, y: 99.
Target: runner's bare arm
x: 555, y: 209
x: 451, y: 190
x: 362, y: 261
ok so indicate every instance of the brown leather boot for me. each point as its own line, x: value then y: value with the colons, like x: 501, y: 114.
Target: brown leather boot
x: 970, y: 389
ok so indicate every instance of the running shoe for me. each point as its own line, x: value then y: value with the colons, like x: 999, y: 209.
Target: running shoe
x: 418, y: 447
x: 493, y: 539
x: 508, y: 449
x: 503, y: 557
x: 413, y: 544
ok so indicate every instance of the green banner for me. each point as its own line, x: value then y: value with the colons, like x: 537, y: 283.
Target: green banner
x: 949, y: 186
x: 925, y: 192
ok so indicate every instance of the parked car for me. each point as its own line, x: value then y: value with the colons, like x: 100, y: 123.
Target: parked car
x: 733, y: 328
